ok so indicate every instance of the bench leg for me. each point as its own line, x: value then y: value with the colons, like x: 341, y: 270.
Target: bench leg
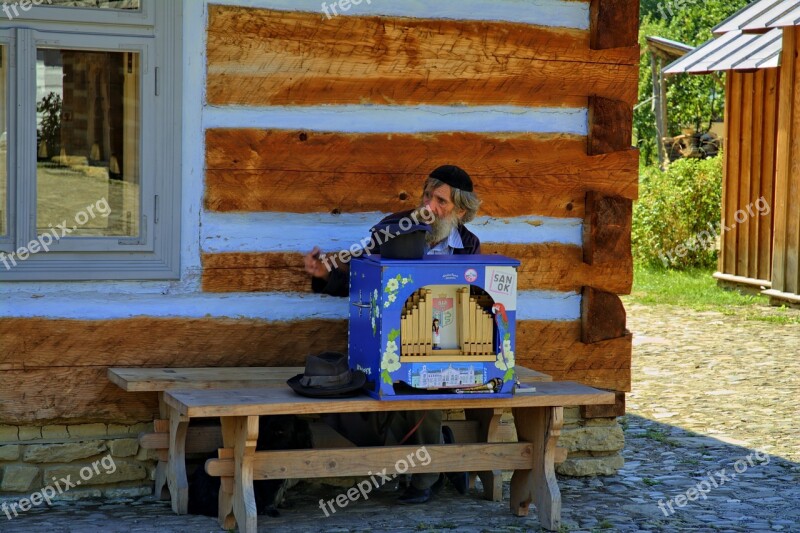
x: 161, y: 490
x: 540, y: 426
x: 244, y: 500
x: 488, y: 429
x: 226, y: 518
x: 176, y: 471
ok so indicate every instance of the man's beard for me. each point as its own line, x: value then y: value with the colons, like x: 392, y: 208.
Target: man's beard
x: 441, y: 229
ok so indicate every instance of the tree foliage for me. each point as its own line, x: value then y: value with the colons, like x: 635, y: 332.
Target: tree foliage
x: 692, y: 100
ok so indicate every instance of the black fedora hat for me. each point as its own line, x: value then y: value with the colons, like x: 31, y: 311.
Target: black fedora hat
x: 328, y: 375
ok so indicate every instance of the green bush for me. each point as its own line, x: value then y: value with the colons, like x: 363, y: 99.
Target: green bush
x: 677, y: 218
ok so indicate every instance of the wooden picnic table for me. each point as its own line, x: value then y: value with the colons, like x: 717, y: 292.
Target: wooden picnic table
x: 538, y: 418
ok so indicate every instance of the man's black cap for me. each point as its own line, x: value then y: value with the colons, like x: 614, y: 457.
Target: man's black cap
x: 453, y: 176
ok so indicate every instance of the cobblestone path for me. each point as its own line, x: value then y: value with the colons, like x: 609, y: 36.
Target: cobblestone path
x: 710, y: 389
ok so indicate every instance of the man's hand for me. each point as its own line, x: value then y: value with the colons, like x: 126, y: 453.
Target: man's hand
x: 314, y: 264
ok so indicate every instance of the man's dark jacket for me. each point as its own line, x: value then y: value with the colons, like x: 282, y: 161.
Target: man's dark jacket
x: 338, y: 283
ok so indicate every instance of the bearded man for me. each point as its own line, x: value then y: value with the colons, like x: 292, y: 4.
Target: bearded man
x: 449, y: 197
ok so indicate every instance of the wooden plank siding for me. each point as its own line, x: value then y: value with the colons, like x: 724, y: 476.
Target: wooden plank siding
x: 785, y: 270
x: 261, y: 57
x: 55, y: 369
x: 750, y: 168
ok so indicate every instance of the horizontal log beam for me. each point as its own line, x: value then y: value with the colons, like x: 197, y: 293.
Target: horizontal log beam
x: 261, y: 57
x: 514, y: 174
x: 543, y: 266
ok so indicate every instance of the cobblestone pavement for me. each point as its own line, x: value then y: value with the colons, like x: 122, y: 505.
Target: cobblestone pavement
x: 709, y: 390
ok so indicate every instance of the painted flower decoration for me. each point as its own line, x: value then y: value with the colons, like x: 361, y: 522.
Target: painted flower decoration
x: 392, y: 286
x: 390, y: 362
x: 374, y: 312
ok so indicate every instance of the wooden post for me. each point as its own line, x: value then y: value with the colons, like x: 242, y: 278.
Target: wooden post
x: 176, y: 471
x: 244, y: 500
x: 540, y: 426
x: 659, y: 107
x: 225, y: 513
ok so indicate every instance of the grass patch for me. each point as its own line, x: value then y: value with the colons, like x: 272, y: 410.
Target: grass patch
x: 694, y: 288
x: 659, y: 436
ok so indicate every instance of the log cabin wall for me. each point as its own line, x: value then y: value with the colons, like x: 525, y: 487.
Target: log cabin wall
x: 335, y: 172
x: 786, y: 255
x: 752, y: 107
x: 311, y: 128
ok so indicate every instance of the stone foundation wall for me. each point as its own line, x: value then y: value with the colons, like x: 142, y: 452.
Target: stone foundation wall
x: 30, y: 457
x: 594, y: 445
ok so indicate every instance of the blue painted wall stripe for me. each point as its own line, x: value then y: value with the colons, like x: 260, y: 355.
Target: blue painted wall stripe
x: 403, y: 119
x: 532, y: 305
x: 568, y: 14
x: 282, y: 232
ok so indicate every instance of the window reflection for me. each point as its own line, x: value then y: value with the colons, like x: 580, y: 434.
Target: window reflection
x: 87, y: 115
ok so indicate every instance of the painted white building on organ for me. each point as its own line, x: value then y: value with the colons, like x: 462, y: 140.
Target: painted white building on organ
x: 446, y: 377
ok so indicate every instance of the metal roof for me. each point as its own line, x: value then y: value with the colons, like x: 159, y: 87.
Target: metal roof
x: 668, y: 46
x: 761, y: 16
x: 735, y: 50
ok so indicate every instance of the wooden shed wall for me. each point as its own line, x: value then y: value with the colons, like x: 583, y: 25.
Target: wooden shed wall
x: 265, y: 176
x: 750, y: 153
x: 785, y: 270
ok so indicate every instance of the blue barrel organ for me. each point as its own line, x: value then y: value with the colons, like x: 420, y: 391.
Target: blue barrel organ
x: 393, y: 305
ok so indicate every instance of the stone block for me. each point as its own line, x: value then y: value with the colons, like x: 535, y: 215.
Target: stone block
x: 124, y: 471
x: 87, y: 430
x: 30, y: 433
x: 9, y: 453
x: 123, y: 447
x: 9, y: 433
x: 18, y: 478
x: 572, y: 414
x: 63, y: 453
x: 141, y: 427
x: 55, y: 432
x: 591, y: 466
x: 600, y: 422
x: 127, y: 492
x: 600, y: 439
x: 117, y: 430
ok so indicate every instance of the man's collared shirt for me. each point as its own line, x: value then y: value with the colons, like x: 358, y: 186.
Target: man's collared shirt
x: 447, y: 246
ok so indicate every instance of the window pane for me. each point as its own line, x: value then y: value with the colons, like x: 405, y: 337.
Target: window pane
x: 3, y: 142
x: 100, y: 4
x: 87, y: 111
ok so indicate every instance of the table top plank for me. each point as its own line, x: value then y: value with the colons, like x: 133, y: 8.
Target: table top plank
x: 282, y: 400
x: 161, y: 379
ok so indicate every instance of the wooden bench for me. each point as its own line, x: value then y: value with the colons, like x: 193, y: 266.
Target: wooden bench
x: 538, y: 418
x: 208, y: 439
